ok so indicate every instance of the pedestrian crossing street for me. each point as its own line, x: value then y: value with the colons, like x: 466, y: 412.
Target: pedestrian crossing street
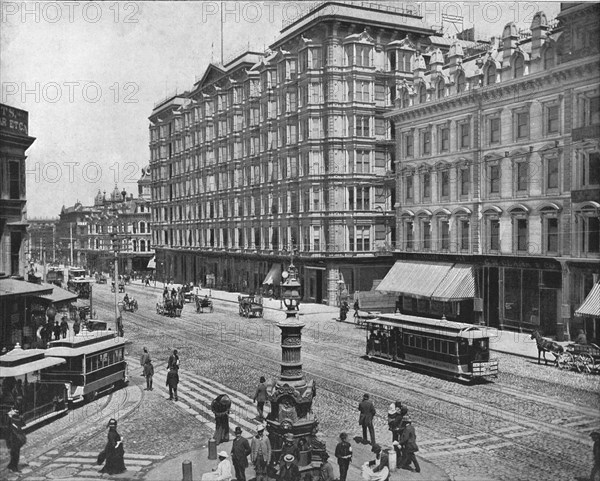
x: 196, y: 394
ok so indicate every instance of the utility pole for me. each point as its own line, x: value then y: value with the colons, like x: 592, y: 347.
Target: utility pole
x: 54, y: 243
x: 71, y: 241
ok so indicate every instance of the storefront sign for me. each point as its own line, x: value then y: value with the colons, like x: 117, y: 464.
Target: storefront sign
x: 14, y: 120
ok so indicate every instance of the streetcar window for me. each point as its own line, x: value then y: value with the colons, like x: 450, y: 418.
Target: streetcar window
x: 430, y: 345
x: 438, y: 345
x: 417, y: 342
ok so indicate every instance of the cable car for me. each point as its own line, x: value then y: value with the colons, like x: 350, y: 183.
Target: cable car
x: 22, y: 388
x: 95, y: 363
x: 455, y: 349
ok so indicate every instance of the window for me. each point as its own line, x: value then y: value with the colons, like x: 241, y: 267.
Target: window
x: 590, y: 233
x: 426, y: 234
x: 445, y: 183
x: 405, y: 102
x: 440, y: 89
x: 522, y: 125
x: 551, y: 234
x: 444, y: 234
x: 552, y: 120
x: 408, y: 235
x: 409, y: 145
x: 590, y: 169
x: 363, y: 55
x: 591, y: 111
x: 316, y: 238
x: 359, y: 198
x: 494, y: 234
x: 426, y: 185
x: 14, y: 180
x: 362, y: 126
x: 363, y: 238
x: 361, y: 92
x: 461, y: 83
x: 494, y: 130
x: 552, y: 173
x: 362, y: 162
x: 494, y: 171
x: 522, y: 174
x: 422, y: 94
x: 519, y: 66
x: 465, y: 135
x: 490, y: 77
x: 409, y: 189
x: 444, y: 139
x: 464, y: 234
x: 465, y: 181
x: 521, y: 240
x: 426, y: 141
x: 548, y: 58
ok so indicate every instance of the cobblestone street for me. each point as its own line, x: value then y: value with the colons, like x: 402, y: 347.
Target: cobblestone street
x: 500, y: 430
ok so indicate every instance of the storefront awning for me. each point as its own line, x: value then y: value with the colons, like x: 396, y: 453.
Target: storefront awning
x: 14, y: 287
x: 458, y: 285
x: 415, y: 278
x: 274, y: 275
x: 441, y: 281
x: 591, y: 305
x: 58, y: 294
x: 151, y: 263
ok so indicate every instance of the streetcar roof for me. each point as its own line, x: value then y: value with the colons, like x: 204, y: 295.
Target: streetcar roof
x: 24, y: 361
x: 440, y: 327
x: 85, y: 343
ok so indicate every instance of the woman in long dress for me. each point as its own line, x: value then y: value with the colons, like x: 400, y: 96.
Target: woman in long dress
x: 113, y: 452
x: 220, y: 407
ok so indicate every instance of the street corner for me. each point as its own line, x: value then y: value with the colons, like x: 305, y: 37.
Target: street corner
x: 172, y: 468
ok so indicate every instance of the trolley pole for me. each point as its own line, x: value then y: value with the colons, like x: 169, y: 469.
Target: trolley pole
x: 116, y: 289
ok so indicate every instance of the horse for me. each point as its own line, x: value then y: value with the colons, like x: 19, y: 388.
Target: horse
x: 544, y: 345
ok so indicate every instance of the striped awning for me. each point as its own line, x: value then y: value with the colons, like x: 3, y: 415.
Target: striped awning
x: 458, y: 285
x: 415, y: 278
x: 591, y: 305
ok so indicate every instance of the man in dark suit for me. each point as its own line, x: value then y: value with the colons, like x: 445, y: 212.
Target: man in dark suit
x: 367, y: 413
x: 408, y: 441
x: 240, y: 449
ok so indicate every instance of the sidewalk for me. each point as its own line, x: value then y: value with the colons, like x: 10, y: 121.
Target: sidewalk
x: 172, y: 470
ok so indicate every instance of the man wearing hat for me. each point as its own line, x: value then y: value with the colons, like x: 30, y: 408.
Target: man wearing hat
x: 343, y: 453
x: 408, y: 441
x: 240, y: 449
x: 367, y: 413
x: 326, y: 468
x: 289, y: 447
x: 289, y: 471
x: 15, y: 440
x: 223, y: 470
x: 261, y: 453
x: 596, y: 468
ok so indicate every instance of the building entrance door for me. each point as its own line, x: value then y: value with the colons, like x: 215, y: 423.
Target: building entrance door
x: 490, y: 297
x: 548, y: 311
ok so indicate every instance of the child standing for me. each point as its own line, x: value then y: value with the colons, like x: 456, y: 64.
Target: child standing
x: 148, y: 373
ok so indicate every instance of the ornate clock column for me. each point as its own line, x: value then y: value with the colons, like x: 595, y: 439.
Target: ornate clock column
x: 292, y: 396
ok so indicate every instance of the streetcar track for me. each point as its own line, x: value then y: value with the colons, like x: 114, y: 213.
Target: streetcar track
x: 561, y: 433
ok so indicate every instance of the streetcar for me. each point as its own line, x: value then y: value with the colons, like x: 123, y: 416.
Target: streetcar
x: 22, y: 387
x: 454, y: 349
x: 95, y: 363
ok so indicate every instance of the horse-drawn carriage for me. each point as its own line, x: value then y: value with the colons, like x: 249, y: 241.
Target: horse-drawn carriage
x: 203, y: 303
x: 580, y: 357
x: 169, y: 307
x: 250, y: 306
x: 121, y: 287
x: 101, y: 279
x: 128, y: 305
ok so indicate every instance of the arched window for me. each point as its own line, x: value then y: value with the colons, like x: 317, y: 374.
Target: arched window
x: 549, y: 58
x: 519, y: 66
x: 422, y: 94
x: 142, y: 227
x: 405, y: 99
x: 490, y: 74
x: 134, y: 226
x: 135, y: 245
x: 143, y: 246
x: 440, y: 89
x: 461, y: 83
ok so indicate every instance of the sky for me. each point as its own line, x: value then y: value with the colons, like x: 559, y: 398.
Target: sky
x: 90, y: 73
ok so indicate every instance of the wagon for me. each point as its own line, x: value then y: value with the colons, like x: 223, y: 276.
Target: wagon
x: 130, y: 306
x: 203, y: 303
x: 169, y: 308
x: 250, y: 306
x: 581, y: 357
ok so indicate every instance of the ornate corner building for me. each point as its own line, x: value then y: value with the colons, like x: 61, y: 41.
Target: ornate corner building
x: 287, y: 152
x: 499, y: 171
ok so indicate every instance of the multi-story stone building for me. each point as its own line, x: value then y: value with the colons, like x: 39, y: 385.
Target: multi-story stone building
x: 286, y: 152
x: 42, y: 239
x: 116, y: 222
x: 498, y: 176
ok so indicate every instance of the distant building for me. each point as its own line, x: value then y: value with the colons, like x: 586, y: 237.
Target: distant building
x: 42, y: 239
x: 14, y: 133
x: 499, y: 176
x: 117, y: 222
x: 286, y: 152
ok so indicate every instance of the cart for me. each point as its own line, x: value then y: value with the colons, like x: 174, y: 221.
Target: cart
x: 250, y: 306
x: 130, y: 306
x: 169, y: 308
x: 203, y: 303
x: 581, y: 357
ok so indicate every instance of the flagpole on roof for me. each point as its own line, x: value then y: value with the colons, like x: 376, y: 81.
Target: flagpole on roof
x: 222, y: 33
